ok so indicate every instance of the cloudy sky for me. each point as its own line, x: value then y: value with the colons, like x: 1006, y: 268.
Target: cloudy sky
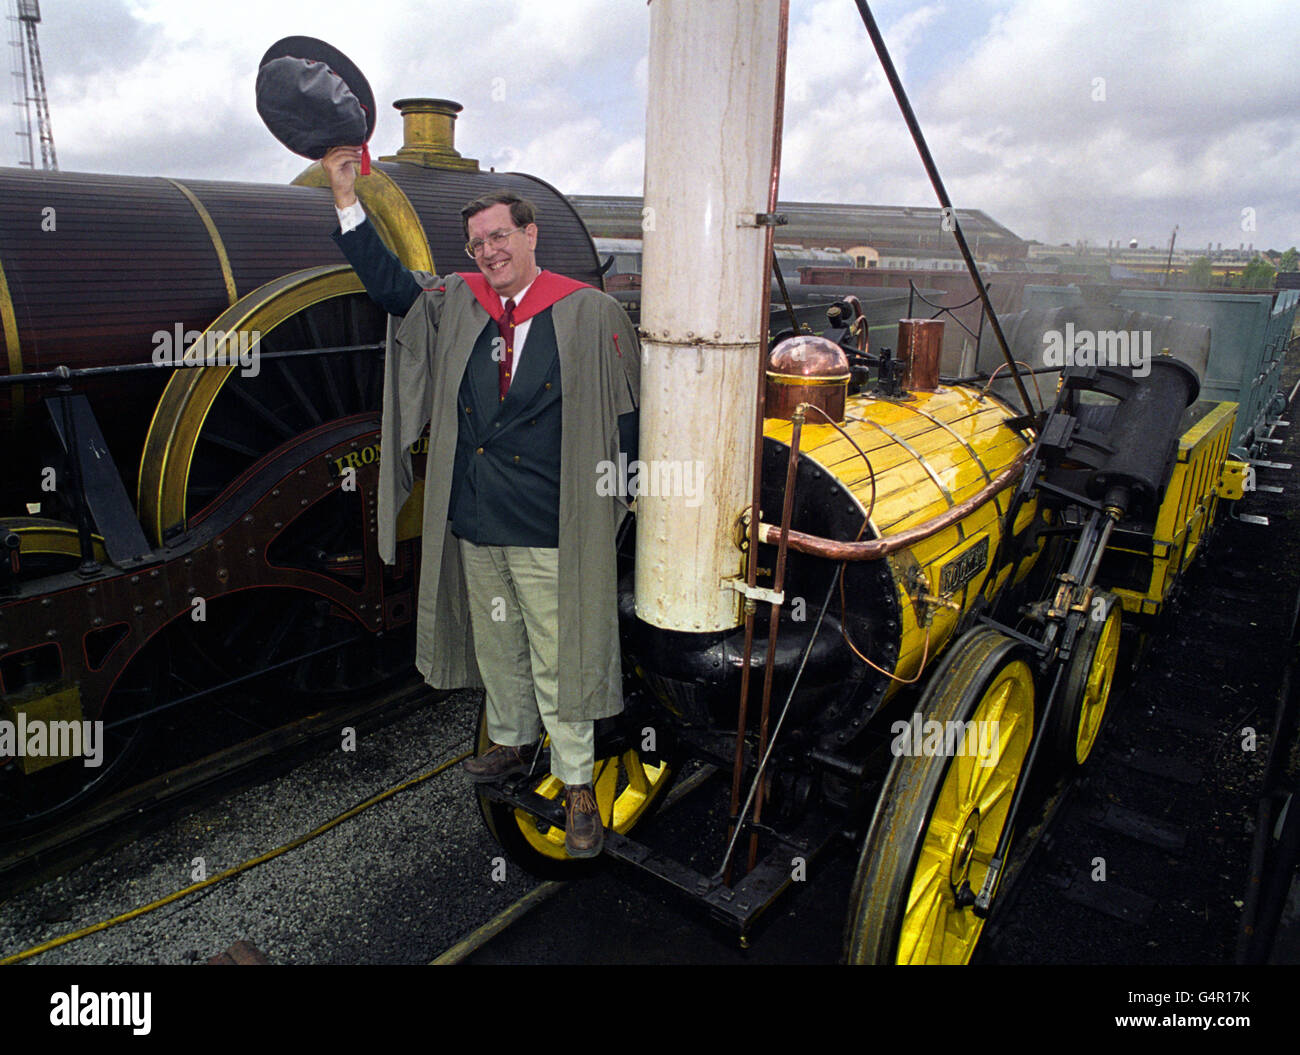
x: 1063, y: 119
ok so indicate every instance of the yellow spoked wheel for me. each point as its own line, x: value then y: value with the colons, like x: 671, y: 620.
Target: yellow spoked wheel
x: 629, y: 786
x: 1078, y: 715
x: 943, y: 807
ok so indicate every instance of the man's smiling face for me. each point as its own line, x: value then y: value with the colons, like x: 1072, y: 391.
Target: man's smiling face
x: 511, y: 267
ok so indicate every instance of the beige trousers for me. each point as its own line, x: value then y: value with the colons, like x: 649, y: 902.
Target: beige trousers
x: 515, y: 613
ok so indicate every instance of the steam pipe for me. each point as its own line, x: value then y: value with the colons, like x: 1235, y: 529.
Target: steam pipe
x: 774, y: 618
x: 760, y: 402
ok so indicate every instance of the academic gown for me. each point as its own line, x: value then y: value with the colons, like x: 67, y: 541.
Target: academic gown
x: 600, y: 380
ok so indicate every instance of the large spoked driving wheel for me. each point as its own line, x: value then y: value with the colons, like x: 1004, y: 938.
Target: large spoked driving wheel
x: 943, y: 808
x: 629, y: 786
x: 32, y: 801
x: 1078, y: 715
x: 214, y: 423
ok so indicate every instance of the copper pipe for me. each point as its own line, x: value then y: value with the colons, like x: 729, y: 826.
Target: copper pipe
x: 738, y: 762
x: 835, y: 549
x: 774, y: 620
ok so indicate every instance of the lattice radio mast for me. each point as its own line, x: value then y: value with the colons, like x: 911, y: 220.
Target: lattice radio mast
x: 30, y: 75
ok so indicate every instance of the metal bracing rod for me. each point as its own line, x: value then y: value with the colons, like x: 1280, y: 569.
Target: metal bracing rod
x: 972, y: 378
x: 774, y: 615
x: 918, y: 137
x: 982, y: 901
x: 130, y: 718
x: 785, y: 295
x: 63, y: 373
x: 725, y: 867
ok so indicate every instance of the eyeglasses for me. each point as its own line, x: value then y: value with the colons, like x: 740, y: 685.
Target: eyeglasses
x: 493, y: 241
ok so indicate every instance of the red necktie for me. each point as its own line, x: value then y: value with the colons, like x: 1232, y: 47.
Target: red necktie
x: 506, y: 327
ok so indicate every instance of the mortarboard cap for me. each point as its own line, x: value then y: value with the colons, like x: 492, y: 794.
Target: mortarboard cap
x: 312, y: 97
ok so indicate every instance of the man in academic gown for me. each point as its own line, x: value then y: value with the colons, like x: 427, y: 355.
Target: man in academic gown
x: 526, y: 380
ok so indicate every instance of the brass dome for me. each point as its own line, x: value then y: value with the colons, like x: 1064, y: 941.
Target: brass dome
x: 807, y: 369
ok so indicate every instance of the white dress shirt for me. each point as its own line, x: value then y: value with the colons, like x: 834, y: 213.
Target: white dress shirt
x: 354, y: 215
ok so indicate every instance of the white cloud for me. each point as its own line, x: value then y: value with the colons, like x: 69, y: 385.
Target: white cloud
x: 1161, y: 112
x: 1197, y: 120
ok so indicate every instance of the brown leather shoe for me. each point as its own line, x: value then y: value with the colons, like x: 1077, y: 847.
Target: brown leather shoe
x: 584, y: 835
x: 498, y: 761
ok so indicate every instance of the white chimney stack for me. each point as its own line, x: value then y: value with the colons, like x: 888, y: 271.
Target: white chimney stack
x: 709, y: 146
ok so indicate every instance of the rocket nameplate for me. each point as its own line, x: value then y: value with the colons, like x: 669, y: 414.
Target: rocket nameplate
x: 958, y: 572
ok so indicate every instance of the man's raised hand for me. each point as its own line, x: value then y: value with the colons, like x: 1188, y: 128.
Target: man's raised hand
x: 340, y: 165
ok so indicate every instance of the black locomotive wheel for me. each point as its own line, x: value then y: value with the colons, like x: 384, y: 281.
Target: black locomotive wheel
x: 31, y: 801
x: 629, y: 787
x: 214, y: 422
x: 1078, y: 715
x: 943, y: 808
x: 253, y: 416
x: 264, y: 630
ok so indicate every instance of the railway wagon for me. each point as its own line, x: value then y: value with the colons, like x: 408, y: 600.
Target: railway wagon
x: 167, y: 526
x: 1249, y: 332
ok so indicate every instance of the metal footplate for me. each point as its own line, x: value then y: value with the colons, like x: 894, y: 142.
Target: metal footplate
x: 739, y: 905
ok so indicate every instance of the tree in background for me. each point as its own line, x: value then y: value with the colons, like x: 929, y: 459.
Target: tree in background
x: 1199, y: 273
x: 1289, y: 261
x: 1257, y: 275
